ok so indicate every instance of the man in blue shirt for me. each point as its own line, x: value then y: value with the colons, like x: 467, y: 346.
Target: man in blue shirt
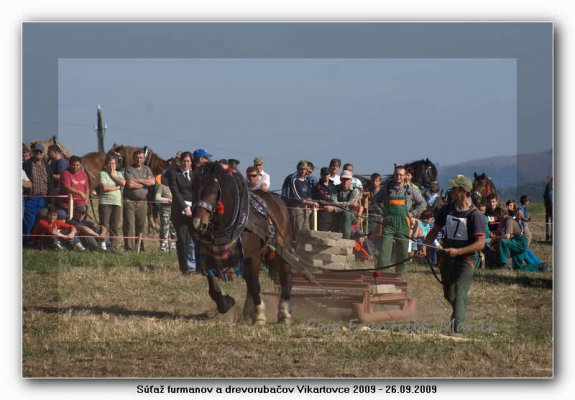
x: 296, y: 193
x: 58, y: 163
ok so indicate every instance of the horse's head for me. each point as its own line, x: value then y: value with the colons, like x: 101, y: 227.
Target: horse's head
x: 481, y: 188
x: 424, y: 173
x: 118, y: 152
x: 206, y: 196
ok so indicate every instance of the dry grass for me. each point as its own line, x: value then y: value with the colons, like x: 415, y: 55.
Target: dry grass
x: 102, y: 315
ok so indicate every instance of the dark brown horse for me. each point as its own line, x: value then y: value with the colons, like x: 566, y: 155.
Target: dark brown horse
x: 224, y: 210
x: 424, y: 176
x: 483, y: 186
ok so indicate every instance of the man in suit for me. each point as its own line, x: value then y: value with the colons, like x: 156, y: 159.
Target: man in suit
x: 180, y: 183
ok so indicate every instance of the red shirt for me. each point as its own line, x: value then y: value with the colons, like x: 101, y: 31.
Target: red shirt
x: 78, y: 181
x: 360, y: 251
x: 43, y: 227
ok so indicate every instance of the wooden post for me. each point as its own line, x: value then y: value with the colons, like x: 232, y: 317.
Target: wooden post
x: 139, y: 243
x: 315, y: 219
x: 70, y: 206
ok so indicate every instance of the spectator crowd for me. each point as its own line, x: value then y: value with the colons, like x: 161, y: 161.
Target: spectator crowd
x: 388, y: 218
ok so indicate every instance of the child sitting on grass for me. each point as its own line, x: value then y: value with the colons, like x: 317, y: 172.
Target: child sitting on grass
x: 56, y: 234
x: 92, y: 235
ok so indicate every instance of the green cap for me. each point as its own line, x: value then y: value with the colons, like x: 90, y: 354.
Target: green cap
x: 461, y: 181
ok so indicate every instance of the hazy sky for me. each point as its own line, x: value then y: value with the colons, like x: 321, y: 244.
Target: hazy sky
x: 371, y: 112
x: 373, y: 94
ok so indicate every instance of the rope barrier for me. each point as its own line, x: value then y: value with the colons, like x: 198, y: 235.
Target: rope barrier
x: 98, y: 199
x: 107, y: 237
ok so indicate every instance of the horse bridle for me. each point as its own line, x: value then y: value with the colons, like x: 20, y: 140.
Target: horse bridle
x: 207, y: 206
x: 118, y: 156
x: 230, y: 232
x: 147, y: 156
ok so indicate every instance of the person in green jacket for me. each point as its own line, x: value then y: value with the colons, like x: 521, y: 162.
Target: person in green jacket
x: 397, y: 202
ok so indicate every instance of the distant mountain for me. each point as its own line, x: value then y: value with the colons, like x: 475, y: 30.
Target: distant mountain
x: 513, y: 176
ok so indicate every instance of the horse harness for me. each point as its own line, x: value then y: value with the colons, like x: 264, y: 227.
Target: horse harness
x: 239, y: 218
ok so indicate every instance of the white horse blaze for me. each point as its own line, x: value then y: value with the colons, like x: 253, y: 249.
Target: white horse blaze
x: 196, y: 221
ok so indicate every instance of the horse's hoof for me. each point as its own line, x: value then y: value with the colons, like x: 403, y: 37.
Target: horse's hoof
x: 248, y: 311
x: 260, y: 314
x: 284, y: 316
x: 226, y: 303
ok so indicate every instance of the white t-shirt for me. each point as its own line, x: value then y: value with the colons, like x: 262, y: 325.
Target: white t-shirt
x: 264, y: 177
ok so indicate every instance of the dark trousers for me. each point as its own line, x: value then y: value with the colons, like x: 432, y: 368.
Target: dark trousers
x: 182, y: 226
x: 457, y: 276
x: 324, y: 221
x: 342, y: 222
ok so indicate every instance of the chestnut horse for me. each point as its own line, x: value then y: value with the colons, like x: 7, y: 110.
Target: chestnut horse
x: 225, y: 211
x: 93, y: 163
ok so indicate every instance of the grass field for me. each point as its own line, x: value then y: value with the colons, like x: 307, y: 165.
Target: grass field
x: 119, y: 315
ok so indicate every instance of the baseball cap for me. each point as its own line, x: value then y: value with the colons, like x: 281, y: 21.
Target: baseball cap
x: 461, y: 181
x: 346, y: 174
x: 201, y: 153
x: 258, y: 161
x: 38, y: 146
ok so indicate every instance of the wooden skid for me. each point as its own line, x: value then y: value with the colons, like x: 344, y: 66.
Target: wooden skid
x: 341, y: 288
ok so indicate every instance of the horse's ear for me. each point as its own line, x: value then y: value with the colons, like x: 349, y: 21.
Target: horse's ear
x: 427, y: 160
x: 483, y: 175
x: 475, y: 175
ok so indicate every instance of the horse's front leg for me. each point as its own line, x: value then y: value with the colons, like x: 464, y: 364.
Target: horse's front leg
x: 254, y: 307
x: 284, y: 306
x: 223, y: 302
